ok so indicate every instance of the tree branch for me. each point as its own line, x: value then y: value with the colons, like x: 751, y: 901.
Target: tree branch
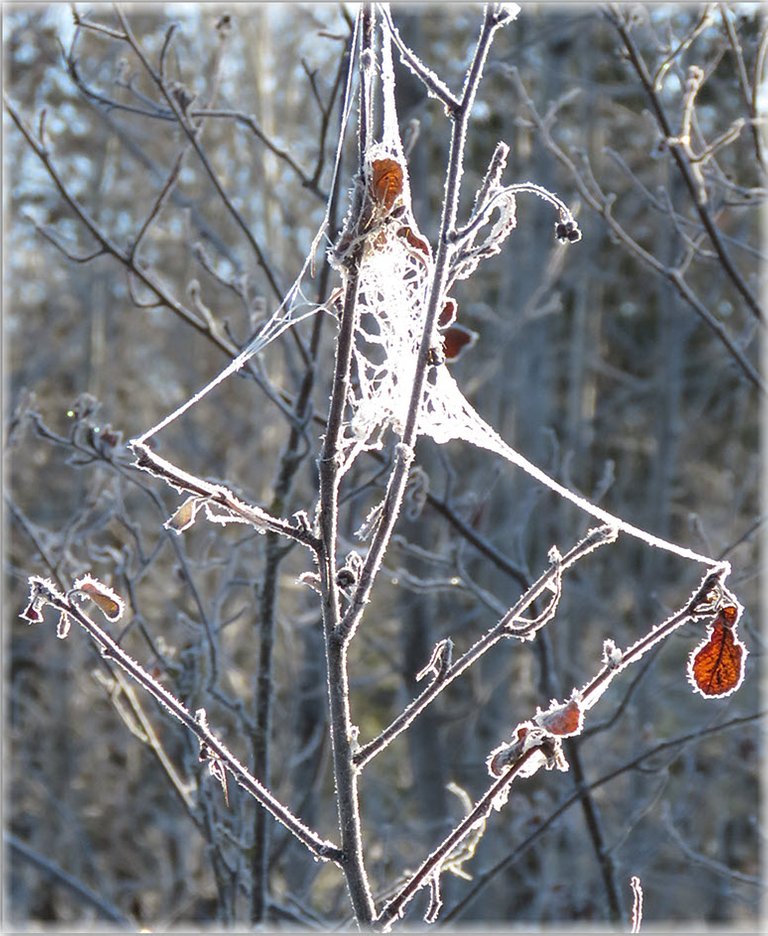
x: 44, y: 593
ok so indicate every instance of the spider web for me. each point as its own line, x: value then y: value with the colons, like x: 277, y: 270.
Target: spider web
x: 395, y: 274
x: 394, y: 277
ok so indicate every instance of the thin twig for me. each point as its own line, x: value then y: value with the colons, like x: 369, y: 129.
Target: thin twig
x: 207, y: 492
x: 95, y: 27
x: 110, y: 247
x: 741, y: 69
x: 435, y: 87
x: 196, y: 113
x: 432, y: 864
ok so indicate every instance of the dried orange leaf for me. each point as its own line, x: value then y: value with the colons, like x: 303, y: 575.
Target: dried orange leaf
x: 415, y: 240
x: 106, y: 600
x: 448, y: 314
x: 386, y: 182
x: 456, y: 339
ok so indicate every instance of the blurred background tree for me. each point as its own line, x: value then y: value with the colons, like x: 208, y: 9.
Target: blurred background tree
x: 625, y: 366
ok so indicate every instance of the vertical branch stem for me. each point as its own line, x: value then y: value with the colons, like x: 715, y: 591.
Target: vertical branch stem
x: 345, y: 774
x: 260, y: 740
x: 336, y: 643
x: 275, y: 551
x: 338, y: 632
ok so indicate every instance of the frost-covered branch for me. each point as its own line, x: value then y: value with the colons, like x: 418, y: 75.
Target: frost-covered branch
x: 45, y: 593
x: 513, y: 624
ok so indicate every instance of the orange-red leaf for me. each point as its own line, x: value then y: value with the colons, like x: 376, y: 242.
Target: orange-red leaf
x: 457, y: 339
x: 716, y: 666
x: 386, y: 182
x: 563, y: 720
x: 32, y: 613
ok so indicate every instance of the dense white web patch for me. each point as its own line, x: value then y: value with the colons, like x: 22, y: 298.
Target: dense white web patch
x: 394, y: 278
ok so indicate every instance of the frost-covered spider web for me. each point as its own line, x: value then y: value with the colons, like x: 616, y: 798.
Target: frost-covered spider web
x: 395, y: 271
x: 395, y: 276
